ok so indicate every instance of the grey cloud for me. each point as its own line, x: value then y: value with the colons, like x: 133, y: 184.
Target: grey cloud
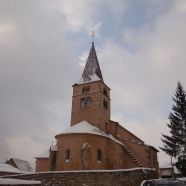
x: 37, y: 70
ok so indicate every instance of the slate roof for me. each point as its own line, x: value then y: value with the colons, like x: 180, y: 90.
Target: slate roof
x: 92, y: 71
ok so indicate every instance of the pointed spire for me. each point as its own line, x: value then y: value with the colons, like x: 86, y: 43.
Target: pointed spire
x: 92, y: 71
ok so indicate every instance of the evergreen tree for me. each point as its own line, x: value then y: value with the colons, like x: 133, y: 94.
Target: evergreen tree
x: 181, y: 164
x: 174, y: 144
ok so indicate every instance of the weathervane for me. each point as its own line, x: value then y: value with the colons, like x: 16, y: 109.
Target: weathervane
x: 93, y: 35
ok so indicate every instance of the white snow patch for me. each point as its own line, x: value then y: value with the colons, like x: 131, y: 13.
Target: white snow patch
x: 67, y: 160
x: 182, y: 179
x: 85, y: 127
x: 10, y: 181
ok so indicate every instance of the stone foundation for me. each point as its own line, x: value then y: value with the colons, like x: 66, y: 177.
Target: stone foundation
x: 129, y: 177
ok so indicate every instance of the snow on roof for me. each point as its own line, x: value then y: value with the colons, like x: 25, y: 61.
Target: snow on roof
x: 91, y: 78
x: 85, y: 127
x: 10, y: 181
x: 4, y: 167
x: 44, y: 155
x: 23, y: 165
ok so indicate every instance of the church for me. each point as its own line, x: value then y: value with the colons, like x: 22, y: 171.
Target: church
x: 94, y: 141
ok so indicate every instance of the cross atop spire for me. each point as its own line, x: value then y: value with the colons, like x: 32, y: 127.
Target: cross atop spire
x: 93, y: 35
x: 92, y: 71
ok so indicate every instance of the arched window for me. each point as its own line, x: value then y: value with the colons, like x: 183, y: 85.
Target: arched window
x: 67, y: 155
x: 88, y: 101
x: 99, y: 155
x: 86, y: 152
x: 85, y: 102
x: 105, y: 104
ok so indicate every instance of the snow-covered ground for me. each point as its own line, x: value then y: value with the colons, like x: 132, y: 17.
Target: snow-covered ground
x: 10, y: 181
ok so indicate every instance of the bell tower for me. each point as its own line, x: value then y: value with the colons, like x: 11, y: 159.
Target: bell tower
x: 91, y: 96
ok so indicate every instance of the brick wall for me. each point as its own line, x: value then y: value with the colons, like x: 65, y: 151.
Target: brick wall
x: 111, y: 157
x: 128, y: 177
x: 42, y: 164
x: 95, y: 114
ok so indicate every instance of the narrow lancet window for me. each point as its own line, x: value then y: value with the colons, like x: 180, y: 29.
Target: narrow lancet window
x: 88, y: 101
x: 86, y: 152
x: 67, y: 155
x: 99, y: 155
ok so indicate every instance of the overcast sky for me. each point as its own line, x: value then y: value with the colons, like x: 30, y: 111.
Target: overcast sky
x: 141, y: 47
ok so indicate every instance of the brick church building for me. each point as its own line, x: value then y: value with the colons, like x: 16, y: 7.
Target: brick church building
x: 94, y: 141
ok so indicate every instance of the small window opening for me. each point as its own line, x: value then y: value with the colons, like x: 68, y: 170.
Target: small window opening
x: 67, y: 155
x: 105, y: 104
x: 99, y: 155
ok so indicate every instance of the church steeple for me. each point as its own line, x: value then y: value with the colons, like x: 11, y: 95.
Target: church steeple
x: 92, y: 71
x: 91, y: 96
